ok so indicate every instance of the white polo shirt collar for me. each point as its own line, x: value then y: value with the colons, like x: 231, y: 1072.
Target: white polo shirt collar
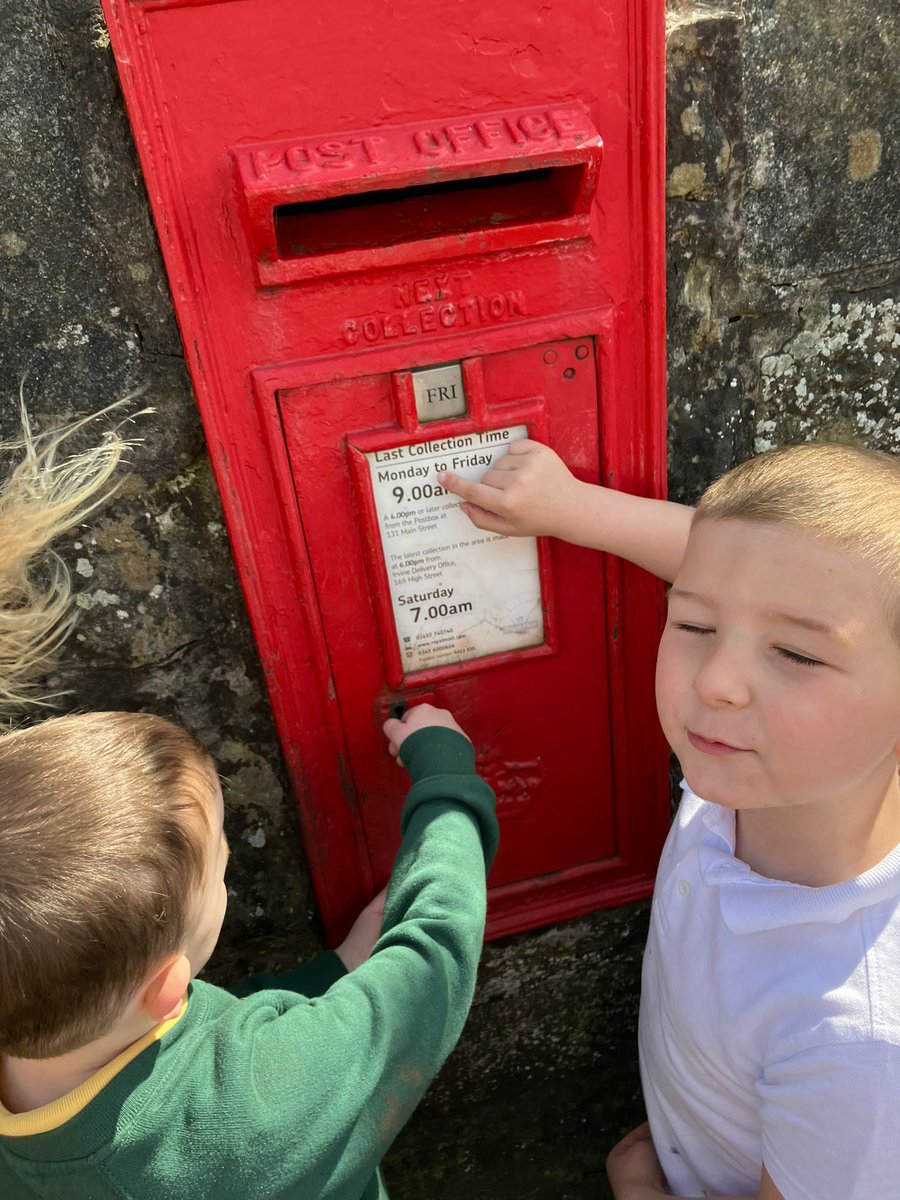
x: 752, y: 903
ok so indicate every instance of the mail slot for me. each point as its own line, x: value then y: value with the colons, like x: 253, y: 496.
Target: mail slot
x: 402, y: 255
x: 344, y: 202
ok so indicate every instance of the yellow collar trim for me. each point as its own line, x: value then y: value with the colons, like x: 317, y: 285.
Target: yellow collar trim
x: 58, y: 1112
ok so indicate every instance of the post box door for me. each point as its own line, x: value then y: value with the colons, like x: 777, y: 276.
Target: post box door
x: 539, y: 713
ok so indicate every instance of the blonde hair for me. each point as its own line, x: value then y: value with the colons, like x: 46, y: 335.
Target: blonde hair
x: 844, y: 496
x: 47, y: 492
x: 104, y: 833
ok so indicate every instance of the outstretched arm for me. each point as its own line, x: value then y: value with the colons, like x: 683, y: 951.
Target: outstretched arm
x: 348, y: 1068
x: 315, y: 977
x: 531, y: 492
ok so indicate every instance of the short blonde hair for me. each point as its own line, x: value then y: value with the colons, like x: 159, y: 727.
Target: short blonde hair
x: 844, y: 496
x: 105, y: 827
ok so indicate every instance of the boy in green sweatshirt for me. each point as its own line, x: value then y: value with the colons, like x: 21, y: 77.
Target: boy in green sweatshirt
x: 123, y: 1077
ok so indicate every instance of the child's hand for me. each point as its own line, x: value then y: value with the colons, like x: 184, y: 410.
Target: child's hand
x: 397, y: 730
x: 633, y: 1169
x: 357, y: 945
x: 530, y: 491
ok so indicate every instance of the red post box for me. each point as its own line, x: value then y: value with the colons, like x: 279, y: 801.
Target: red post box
x: 392, y: 249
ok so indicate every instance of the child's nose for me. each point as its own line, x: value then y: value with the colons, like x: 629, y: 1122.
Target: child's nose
x: 722, y: 679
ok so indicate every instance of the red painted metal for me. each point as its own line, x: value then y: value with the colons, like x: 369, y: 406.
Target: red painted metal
x: 344, y: 196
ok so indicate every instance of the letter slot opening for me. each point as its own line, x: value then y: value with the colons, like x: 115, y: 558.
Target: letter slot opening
x: 393, y: 216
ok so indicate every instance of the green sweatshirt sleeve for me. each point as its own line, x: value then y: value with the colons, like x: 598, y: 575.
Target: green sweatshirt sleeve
x: 441, y: 762
x: 438, y: 760
x: 349, y: 1067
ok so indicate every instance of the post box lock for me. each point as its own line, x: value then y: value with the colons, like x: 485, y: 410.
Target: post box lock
x: 397, y: 704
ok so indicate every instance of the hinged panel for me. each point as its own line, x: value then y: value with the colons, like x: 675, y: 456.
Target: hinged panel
x: 531, y: 752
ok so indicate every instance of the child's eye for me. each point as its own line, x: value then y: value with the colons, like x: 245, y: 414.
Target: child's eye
x: 686, y: 627
x: 801, y: 659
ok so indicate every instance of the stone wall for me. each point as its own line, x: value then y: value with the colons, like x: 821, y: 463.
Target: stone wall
x: 784, y: 260
x: 783, y: 229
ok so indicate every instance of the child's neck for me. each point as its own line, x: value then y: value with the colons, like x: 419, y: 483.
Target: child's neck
x: 29, y: 1083
x: 818, y: 845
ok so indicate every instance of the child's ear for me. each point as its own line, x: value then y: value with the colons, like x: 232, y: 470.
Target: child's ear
x: 163, y: 993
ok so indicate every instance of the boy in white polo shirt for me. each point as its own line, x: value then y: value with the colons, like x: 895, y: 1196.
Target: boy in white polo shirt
x: 770, y: 1008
